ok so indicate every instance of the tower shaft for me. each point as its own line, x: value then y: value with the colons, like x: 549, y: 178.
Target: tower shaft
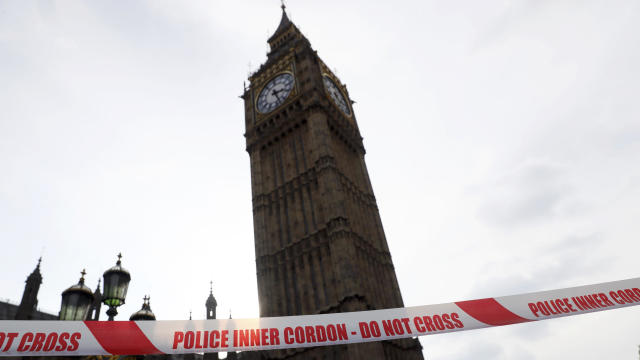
x: 319, y: 242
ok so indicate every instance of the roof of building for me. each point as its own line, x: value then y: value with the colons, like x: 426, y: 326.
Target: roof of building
x: 8, y: 312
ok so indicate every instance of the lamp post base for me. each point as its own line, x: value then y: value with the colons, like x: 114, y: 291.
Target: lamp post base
x: 112, y: 312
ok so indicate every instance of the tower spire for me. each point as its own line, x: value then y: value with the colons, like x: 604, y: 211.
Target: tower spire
x: 94, y: 310
x: 29, y: 301
x: 284, y: 25
x: 211, y: 303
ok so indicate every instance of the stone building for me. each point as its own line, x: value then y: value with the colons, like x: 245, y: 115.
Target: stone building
x: 27, y: 309
x: 319, y: 242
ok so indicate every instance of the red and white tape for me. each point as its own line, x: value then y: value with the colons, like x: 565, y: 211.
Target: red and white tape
x: 55, y: 338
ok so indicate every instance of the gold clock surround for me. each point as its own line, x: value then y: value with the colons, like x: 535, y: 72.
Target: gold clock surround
x: 292, y: 93
x: 340, y: 88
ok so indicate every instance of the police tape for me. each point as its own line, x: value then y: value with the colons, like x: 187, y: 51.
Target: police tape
x: 56, y: 338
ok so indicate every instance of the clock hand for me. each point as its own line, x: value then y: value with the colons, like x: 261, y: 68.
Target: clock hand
x: 276, y: 92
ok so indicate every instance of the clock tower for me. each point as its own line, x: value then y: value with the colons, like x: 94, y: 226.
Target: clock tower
x: 319, y: 242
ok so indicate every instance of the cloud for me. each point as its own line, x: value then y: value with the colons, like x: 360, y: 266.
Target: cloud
x: 492, y: 344
x: 571, y: 261
x: 533, y: 191
x: 544, y: 267
x: 482, y: 350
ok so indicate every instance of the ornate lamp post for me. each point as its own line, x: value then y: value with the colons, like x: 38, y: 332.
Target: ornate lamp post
x: 116, y: 283
x: 76, y: 301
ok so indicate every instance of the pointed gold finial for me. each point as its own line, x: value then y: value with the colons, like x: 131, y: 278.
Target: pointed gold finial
x: 282, y: 5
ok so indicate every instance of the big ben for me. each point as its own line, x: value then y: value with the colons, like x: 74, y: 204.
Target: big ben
x: 319, y: 242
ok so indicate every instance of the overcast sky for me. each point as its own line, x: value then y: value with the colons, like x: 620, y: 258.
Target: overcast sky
x: 502, y: 137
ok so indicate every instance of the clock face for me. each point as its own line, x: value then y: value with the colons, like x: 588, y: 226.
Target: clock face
x: 336, y: 95
x: 275, y: 93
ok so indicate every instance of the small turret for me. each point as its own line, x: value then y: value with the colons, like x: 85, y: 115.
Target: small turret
x: 231, y: 355
x: 211, y: 303
x: 29, y: 301
x: 94, y: 310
